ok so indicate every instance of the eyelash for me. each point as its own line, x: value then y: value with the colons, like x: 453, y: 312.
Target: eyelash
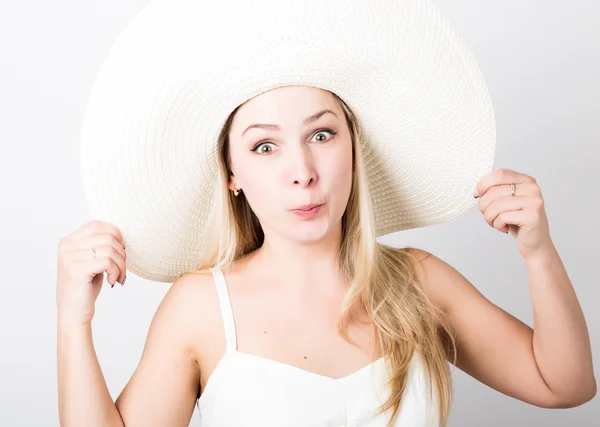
x: 255, y: 148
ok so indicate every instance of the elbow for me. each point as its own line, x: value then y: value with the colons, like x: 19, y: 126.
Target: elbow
x: 592, y: 389
x: 583, y: 395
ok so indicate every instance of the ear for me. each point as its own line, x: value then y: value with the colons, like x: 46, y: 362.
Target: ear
x: 231, y: 184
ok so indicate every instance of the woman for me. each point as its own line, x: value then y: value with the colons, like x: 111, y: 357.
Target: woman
x: 295, y: 315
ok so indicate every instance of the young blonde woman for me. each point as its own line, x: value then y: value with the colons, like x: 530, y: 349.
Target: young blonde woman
x: 289, y: 312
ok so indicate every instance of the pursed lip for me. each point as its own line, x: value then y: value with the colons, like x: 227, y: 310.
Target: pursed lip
x: 306, y: 207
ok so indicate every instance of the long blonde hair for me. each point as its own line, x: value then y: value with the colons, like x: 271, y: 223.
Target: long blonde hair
x: 382, y: 278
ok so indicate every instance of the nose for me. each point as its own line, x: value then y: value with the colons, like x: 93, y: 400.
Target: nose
x: 302, y: 168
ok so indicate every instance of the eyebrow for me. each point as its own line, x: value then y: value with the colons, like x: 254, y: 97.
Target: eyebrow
x: 308, y: 120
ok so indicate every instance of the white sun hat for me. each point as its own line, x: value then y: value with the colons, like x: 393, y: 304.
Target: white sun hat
x: 169, y: 82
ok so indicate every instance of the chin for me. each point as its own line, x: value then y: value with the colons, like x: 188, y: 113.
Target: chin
x: 310, y: 231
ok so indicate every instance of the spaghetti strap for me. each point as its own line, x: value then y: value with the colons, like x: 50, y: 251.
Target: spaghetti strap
x: 249, y: 389
x: 226, y: 311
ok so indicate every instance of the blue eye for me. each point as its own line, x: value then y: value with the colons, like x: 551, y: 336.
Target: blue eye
x: 265, y: 143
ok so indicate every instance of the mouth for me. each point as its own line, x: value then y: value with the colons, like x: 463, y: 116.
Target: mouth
x: 306, y: 208
x: 307, y: 211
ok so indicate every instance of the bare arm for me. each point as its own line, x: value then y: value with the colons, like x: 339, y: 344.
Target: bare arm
x: 548, y: 366
x: 83, y: 397
x: 163, y: 388
x: 561, y: 341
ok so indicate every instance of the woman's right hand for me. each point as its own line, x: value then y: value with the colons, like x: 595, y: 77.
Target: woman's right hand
x: 80, y: 274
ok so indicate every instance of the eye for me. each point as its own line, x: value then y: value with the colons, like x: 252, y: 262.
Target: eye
x: 262, y: 144
x: 258, y: 147
x: 324, y: 130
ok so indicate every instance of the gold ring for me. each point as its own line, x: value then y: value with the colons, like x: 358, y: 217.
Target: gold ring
x: 512, y: 189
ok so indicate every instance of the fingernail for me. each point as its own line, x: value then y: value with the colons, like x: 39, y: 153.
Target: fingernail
x: 124, y: 277
x: 476, y: 194
x: 112, y: 286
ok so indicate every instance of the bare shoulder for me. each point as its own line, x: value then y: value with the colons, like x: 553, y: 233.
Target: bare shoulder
x: 192, y: 285
x: 168, y: 374
x: 494, y: 347
x: 193, y: 303
x: 188, y: 313
x: 442, y: 283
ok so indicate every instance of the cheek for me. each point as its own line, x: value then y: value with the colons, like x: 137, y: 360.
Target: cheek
x: 342, y: 171
x: 259, y: 189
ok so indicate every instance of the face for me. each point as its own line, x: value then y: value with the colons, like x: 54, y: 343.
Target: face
x: 293, y: 158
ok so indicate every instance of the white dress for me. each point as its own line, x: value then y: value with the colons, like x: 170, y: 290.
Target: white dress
x: 247, y: 390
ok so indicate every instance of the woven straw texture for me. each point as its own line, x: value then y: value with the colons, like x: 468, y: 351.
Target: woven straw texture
x: 167, y: 85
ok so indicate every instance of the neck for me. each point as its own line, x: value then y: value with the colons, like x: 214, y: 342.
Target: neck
x: 299, y: 264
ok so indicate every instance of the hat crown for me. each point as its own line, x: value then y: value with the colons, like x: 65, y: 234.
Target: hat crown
x: 171, y: 79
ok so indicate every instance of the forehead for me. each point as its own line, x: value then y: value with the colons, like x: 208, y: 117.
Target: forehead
x: 288, y: 104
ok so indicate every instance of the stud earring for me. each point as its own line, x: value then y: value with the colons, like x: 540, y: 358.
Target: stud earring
x: 236, y: 191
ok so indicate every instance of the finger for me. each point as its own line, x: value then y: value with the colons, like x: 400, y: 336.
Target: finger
x: 507, y: 218
x: 106, y: 252
x: 499, y: 224
x: 117, y: 258
x: 83, y: 248
x: 500, y: 177
x: 496, y: 192
x: 105, y: 239
x: 508, y: 203
x: 98, y: 227
x: 99, y: 265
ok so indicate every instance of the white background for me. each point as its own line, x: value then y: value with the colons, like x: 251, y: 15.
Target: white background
x: 541, y: 60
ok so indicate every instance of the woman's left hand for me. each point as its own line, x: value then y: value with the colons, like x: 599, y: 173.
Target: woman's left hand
x: 523, y: 215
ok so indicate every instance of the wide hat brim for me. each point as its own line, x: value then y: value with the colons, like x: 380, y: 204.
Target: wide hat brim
x: 167, y: 85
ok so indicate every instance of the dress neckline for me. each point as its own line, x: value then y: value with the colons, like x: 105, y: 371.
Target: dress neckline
x: 358, y: 374
x: 355, y: 378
